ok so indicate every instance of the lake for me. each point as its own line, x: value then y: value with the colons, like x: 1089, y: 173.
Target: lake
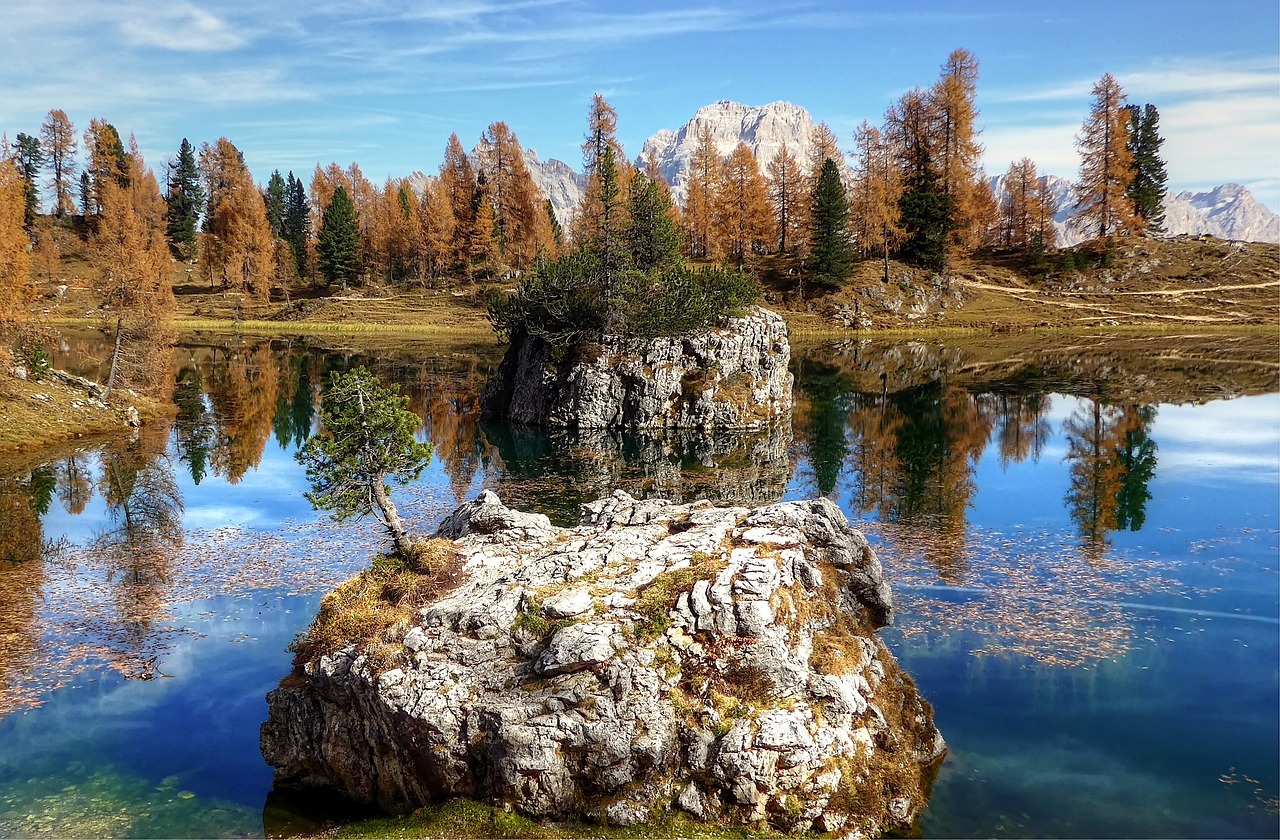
x: 1080, y: 533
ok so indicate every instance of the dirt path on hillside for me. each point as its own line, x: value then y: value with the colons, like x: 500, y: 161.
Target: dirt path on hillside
x: 1168, y: 292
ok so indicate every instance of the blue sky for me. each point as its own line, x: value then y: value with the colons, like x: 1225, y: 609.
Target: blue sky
x: 383, y: 84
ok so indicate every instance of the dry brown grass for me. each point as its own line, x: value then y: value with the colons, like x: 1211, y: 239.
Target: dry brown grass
x: 387, y: 593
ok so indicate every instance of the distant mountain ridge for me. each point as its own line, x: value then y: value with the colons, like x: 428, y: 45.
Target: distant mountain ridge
x: 1228, y: 211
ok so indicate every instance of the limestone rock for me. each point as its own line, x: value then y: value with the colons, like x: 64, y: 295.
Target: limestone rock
x: 734, y: 376
x: 717, y: 660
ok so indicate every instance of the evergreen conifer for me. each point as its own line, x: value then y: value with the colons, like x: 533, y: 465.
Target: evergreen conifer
x: 338, y: 243
x: 185, y: 200
x: 831, y: 254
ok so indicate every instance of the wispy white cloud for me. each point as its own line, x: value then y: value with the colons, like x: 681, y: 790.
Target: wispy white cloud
x: 181, y: 27
x: 1220, y: 118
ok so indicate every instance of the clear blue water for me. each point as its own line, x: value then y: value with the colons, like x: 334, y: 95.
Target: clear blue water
x: 1087, y: 592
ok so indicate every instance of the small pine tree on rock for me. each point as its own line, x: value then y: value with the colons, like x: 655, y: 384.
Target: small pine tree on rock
x: 366, y: 440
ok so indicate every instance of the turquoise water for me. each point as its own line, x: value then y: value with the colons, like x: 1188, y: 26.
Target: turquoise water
x: 1086, y: 589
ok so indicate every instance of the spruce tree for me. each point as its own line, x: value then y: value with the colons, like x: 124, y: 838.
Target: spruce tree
x: 1146, y: 190
x: 831, y: 255
x: 557, y: 231
x: 185, y: 201
x: 297, y: 221
x: 926, y: 215
x: 652, y: 236
x: 29, y: 157
x: 274, y: 197
x: 338, y: 243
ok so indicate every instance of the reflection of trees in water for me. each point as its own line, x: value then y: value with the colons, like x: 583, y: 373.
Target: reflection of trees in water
x: 555, y: 470
x: 21, y: 581
x: 1137, y: 452
x: 99, y: 604
x: 1023, y: 431
x: 1111, y: 460
x: 827, y: 393
x: 137, y: 551
x: 914, y: 455
x: 448, y: 400
x: 242, y: 393
x: 296, y: 399
x: 75, y: 483
x: 194, y: 429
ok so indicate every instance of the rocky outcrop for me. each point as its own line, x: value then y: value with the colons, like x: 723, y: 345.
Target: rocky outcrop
x: 733, y: 376
x: 717, y: 660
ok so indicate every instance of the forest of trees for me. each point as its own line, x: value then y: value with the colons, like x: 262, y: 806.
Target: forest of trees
x: 915, y: 191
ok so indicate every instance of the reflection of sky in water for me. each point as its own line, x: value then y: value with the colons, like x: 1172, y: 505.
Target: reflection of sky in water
x: 1131, y: 743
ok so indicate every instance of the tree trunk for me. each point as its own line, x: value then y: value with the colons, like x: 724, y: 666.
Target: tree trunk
x: 390, y: 517
x: 115, y: 358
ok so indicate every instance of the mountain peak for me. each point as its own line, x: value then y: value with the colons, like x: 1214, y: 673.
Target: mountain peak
x: 763, y: 128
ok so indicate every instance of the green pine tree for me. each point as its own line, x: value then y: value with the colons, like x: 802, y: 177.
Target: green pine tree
x: 1146, y: 191
x: 926, y: 217
x: 185, y: 200
x: 338, y: 243
x: 297, y: 221
x: 275, y: 198
x: 30, y: 157
x: 653, y: 238
x: 557, y: 232
x: 367, y: 440
x: 831, y: 255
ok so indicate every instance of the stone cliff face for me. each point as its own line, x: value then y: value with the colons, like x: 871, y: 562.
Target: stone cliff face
x: 764, y: 129
x: 717, y: 660
x: 734, y: 376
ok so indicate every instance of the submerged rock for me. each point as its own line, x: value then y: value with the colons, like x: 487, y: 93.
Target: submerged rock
x: 717, y: 660
x: 734, y: 376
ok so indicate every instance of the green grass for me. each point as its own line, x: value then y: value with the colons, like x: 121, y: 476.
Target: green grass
x: 467, y: 818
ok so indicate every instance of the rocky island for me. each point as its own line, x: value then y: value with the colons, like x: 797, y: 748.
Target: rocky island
x: 718, y: 661
x: 733, y: 375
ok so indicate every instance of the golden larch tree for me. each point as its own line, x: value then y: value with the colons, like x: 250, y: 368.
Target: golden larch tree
x: 1106, y: 165
x: 58, y: 142
x: 744, y: 217
x: 46, y: 259
x: 956, y: 151
x: 704, y: 169
x: 517, y: 202
x: 439, y: 229
x: 135, y: 285
x: 107, y: 161
x: 238, y: 248
x: 875, y: 216
x: 458, y: 180
x: 786, y: 193
x: 16, y: 289
x: 1026, y: 209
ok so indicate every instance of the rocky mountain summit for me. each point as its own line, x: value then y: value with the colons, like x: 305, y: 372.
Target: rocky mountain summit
x: 763, y: 129
x: 721, y: 661
x: 1228, y: 212
x: 733, y: 376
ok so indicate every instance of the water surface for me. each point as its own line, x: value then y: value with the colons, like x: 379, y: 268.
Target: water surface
x: 1082, y: 543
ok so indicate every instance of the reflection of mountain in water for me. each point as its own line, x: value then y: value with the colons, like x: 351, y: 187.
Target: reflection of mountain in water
x: 556, y: 470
